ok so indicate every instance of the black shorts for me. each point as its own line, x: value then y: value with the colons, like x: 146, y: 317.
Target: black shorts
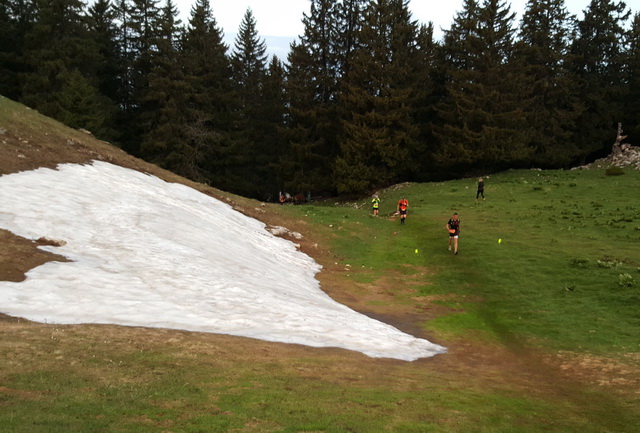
x: 403, y: 212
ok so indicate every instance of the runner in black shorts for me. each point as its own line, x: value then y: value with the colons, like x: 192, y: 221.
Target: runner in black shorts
x: 453, y: 227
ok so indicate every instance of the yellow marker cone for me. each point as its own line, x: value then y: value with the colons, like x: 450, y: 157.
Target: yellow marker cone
x: 500, y: 240
x: 416, y: 251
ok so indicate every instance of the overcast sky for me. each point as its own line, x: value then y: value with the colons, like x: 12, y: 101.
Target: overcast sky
x: 280, y: 21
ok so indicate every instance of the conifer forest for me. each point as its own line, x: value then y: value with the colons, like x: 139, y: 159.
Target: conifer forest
x: 366, y: 97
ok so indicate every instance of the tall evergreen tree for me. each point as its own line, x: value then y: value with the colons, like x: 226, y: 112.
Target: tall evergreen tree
x: 379, y: 129
x: 249, y: 65
x: 599, y: 67
x: 312, y: 92
x: 63, y: 62
x: 428, y: 90
x: 349, y: 20
x: 482, y: 117
x: 210, y: 103
x: 103, y: 30
x: 16, y: 19
x: 163, y: 118
x: 550, y: 97
x: 274, y: 114
x: 631, y: 115
x: 143, y: 27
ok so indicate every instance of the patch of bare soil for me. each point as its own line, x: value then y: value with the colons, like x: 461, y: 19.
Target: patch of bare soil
x: 620, y: 374
x: 19, y: 255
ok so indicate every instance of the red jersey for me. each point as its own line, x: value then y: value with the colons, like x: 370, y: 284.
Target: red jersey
x: 403, y: 204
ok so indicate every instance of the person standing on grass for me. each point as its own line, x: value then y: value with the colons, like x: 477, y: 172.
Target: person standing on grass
x: 376, y: 204
x: 453, y: 227
x: 403, y: 204
x: 480, y: 189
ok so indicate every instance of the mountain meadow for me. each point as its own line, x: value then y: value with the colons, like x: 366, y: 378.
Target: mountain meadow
x: 539, y: 312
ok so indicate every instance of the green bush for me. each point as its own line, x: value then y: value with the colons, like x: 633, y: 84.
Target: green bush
x: 626, y: 280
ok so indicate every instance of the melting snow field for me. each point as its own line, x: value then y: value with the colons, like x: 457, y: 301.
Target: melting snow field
x: 150, y: 253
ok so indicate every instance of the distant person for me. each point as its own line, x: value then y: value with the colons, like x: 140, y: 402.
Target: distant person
x: 480, y: 189
x: 281, y: 198
x: 403, y: 204
x: 453, y: 227
x: 376, y: 204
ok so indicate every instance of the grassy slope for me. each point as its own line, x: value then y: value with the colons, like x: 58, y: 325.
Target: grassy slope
x: 542, y: 337
x: 567, y: 236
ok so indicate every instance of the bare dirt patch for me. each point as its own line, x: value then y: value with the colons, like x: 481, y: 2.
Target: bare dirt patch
x: 620, y: 374
x: 19, y: 255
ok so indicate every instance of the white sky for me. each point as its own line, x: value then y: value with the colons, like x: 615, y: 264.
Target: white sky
x: 279, y: 22
x: 149, y: 253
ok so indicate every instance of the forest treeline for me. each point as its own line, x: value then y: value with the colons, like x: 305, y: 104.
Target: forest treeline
x: 366, y: 97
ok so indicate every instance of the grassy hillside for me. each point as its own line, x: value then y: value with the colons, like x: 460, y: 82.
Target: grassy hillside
x: 565, y: 275
x: 543, y: 329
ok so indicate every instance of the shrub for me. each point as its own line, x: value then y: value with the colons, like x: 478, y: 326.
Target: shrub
x: 614, y: 171
x: 579, y: 263
x: 608, y: 263
x: 626, y: 280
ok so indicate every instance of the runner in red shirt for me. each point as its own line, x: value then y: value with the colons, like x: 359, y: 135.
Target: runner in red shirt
x: 403, y: 204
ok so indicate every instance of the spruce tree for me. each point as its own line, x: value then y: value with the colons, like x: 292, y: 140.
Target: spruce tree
x: 482, y: 119
x: 210, y: 106
x: 249, y: 65
x: 63, y: 62
x: 16, y: 19
x: 631, y: 115
x: 598, y: 63
x: 274, y: 115
x: 102, y: 26
x: 379, y: 131
x: 163, y: 118
x: 312, y: 93
x: 123, y: 63
x: 428, y: 91
x: 550, y: 100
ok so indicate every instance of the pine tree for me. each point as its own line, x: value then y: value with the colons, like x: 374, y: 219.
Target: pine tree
x: 210, y: 103
x: 312, y: 92
x: 103, y: 30
x: 428, y: 93
x: 163, y: 118
x: 599, y: 68
x: 379, y: 131
x: 143, y: 24
x: 63, y: 62
x: 16, y: 19
x: 482, y: 116
x: 551, y: 106
x: 631, y: 115
x: 123, y: 63
x: 249, y: 65
x: 349, y: 20
x: 274, y: 115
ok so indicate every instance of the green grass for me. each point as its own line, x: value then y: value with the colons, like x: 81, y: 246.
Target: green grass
x: 118, y: 387
x: 545, y: 282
